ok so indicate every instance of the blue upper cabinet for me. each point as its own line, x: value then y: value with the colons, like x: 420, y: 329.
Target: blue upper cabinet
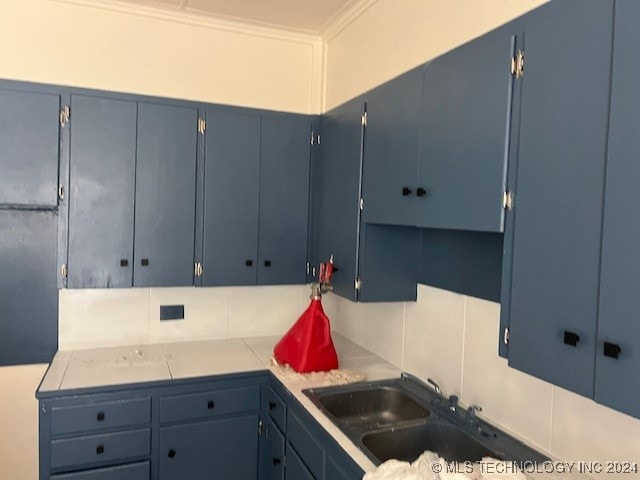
x: 285, y: 159
x: 29, y: 132
x: 338, y: 192
x: 391, y: 147
x: 165, y: 195
x: 617, y: 383
x: 232, y: 172
x: 101, y: 197
x: 466, y: 112
x: 559, y: 194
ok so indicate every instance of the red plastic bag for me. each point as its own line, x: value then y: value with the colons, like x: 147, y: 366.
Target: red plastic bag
x: 307, y: 346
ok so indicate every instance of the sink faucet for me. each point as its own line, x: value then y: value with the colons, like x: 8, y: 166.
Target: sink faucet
x: 435, y: 386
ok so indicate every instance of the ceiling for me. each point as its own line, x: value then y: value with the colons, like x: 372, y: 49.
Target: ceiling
x: 309, y: 16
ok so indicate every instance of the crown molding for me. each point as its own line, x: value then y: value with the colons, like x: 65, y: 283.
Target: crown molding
x: 177, y: 14
x: 343, y: 18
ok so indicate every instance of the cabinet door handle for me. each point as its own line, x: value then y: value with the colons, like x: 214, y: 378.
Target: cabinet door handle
x: 100, y: 416
x: 124, y: 262
x: 406, y: 191
x: 612, y: 350
x: 272, y: 405
x: 100, y: 449
x: 249, y: 263
x: 276, y: 461
x: 144, y: 262
x: 267, y: 263
x: 171, y: 454
x: 571, y: 338
x: 210, y: 404
x: 421, y: 192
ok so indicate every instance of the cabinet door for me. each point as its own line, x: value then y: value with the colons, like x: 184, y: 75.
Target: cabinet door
x: 165, y: 195
x: 391, y: 149
x: 295, y: 469
x: 28, y: 295
x: 559, y: 195
x: 232, y: 171
x: 285, y: 156
x: 617, y: 379
x: 222, y: 449
x: 29, y: 148
x: 338, y: 177
x: 275, y: 457
x: 101, y: 197
x: 464, y: 137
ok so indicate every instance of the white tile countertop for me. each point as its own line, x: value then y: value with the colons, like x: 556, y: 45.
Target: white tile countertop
x: 99, y: 367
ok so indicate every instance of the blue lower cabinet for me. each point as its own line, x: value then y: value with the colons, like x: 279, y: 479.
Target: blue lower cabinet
x: 136, y: 471
x: 225, y: 449
x: 296, y: 469
x: 276, y: 453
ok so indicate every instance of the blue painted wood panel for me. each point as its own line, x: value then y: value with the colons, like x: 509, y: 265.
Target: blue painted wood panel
x: 617, y: 383
x: 466, y: 110
x: 29, y: 127
x: 232, y: 172
x: 285, y: 156
x: 275, y: 461
x: 391, y: 150
x: 136, y: 471
x: 296, y: 469
x: 28, y: 294
x: 225, y: 448
x: 165, y: 195
x: 559, y: 195
x: 101, y: 197
x: 338, y: 179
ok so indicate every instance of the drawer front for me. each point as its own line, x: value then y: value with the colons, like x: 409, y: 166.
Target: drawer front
x: 104, y: 448
x: 100, y: 415
x: 310, y: 451
x: 137, y: 471
x: 209, y: 404
x: 277, y: 409
x: 275, y: 462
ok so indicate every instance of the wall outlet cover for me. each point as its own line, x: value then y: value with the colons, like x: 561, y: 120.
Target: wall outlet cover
x: 171, y: 312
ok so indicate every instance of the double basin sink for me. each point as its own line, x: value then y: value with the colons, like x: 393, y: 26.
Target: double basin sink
x: 400, y: 419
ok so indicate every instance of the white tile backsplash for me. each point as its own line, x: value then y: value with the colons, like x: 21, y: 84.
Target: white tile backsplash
x: 346, y: 318
x: 383, y: 330
x: 91, y: 318
x: 434, y: 327
x: 206, y: 314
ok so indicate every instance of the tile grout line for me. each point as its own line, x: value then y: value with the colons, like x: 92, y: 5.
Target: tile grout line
x: 464, y: 336
x: 553, y: 397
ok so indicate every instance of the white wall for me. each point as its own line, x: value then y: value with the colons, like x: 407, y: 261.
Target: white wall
x: 393, y: 36
x: 453, y: 339
x: 102, y: 45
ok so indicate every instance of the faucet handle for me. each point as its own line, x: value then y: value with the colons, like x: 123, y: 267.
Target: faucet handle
x: 471, y: 413
x: 453, y: 403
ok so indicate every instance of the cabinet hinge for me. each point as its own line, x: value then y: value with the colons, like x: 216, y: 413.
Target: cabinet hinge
x: 202, y: 125
x: 260, y: 428
x: 357, y: 284
x: 362, y: 204
x: 505, y: 337
x: 517, y: 65
x: 507, y: 200
x: 308, y: 268
x: 364, y: 119
x: 61, y: 192
x: 65, y: 115
x: 197, y: 270
x: 63, y: 271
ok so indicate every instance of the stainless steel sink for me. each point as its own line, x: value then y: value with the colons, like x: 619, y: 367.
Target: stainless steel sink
x: 408, y: 443
x: 372, y: 408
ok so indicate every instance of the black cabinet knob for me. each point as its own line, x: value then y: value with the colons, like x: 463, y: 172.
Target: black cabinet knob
x: 571, y: 338
x: 612, y: 350
x: 421, y: 192
x: 210, y: 404
x: 267, y: 263
x: 276, y: 461
x: 100, y: 416
x: 171, y: 454
x: 144, y: 262
x: 249, y: 263
x: 124, y: 262
x: 406, y: 191
x: 272, y: 405
x: 100, y: 449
